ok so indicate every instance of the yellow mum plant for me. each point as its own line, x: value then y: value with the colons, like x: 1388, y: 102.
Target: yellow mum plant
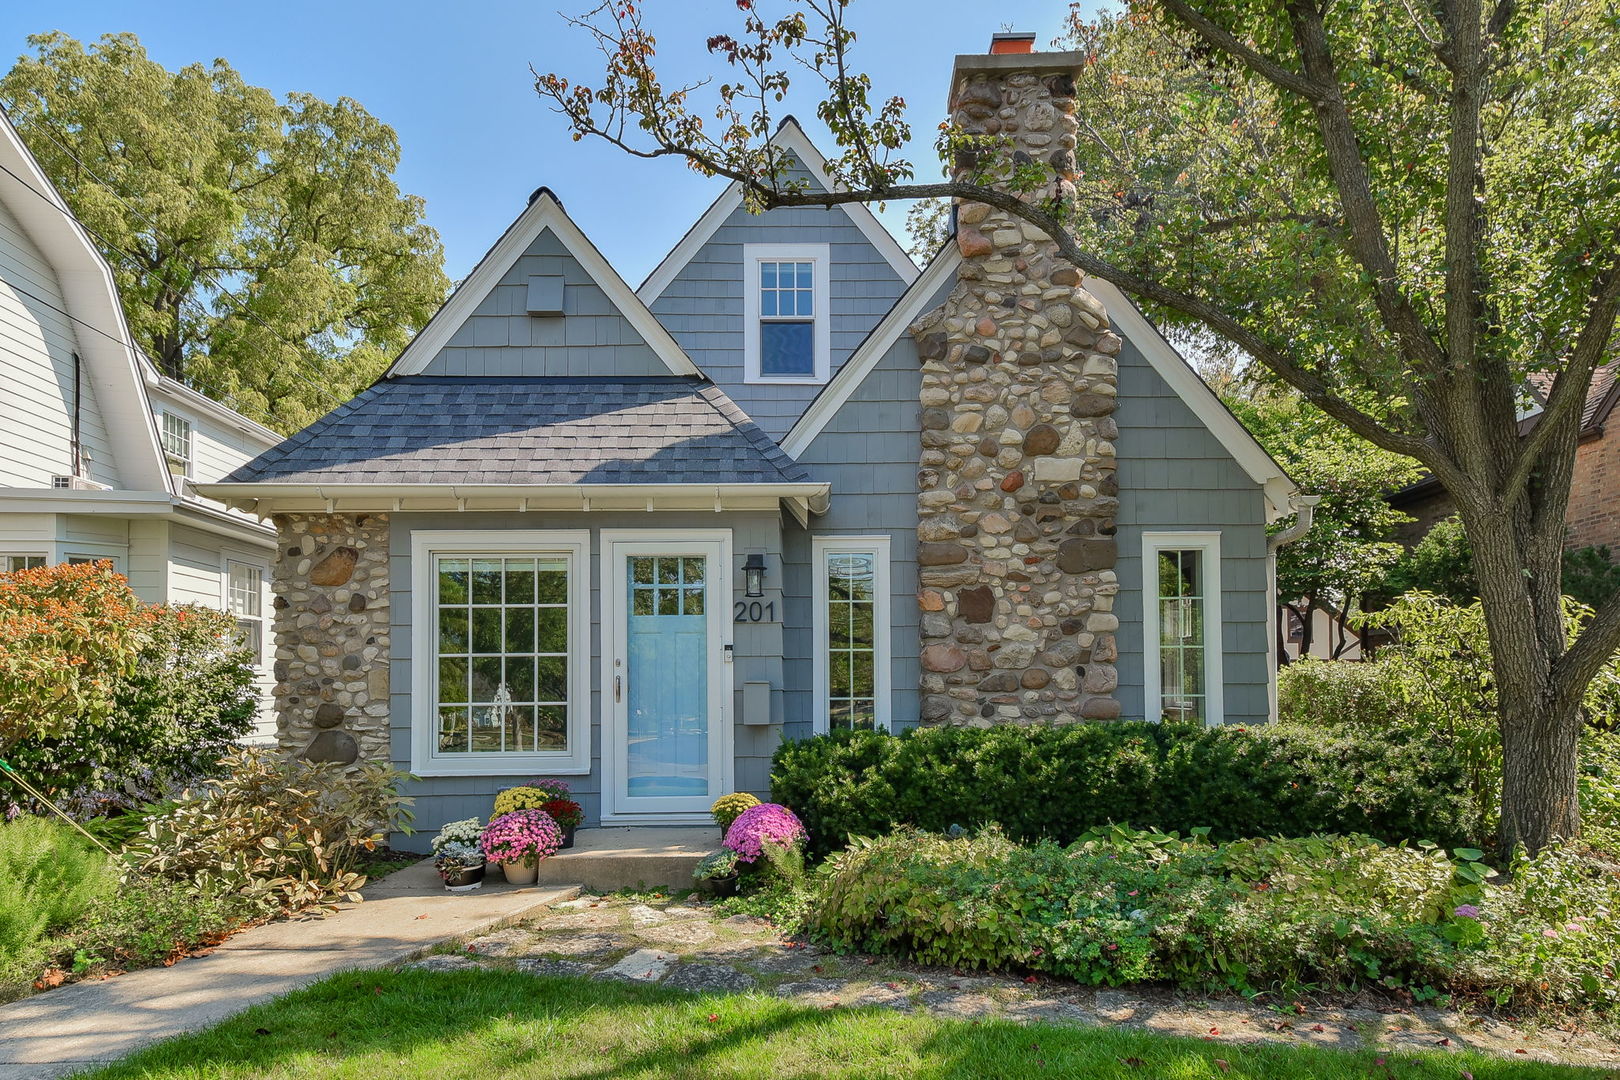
x: 727, y: 808
x: 520, y: 798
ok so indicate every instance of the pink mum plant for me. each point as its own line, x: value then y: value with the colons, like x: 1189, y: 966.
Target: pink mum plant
x: 523, y: 836
x: 767, y: 823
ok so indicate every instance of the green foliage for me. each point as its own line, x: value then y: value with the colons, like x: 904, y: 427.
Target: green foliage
x: 1330, y: 912
x: 285, y: 835
x: 147, y: 921
x: 716, y: 864
x: 1057, y: 783
x: 1350, y: 545
x: 292, y: 205
x: 1591, y: 575
x: 1313, y: 692
x: 1599, y: 786
x: 49, y: 877
x: 182, y: 707
x: 66, y: 634
x: 1441, y: 563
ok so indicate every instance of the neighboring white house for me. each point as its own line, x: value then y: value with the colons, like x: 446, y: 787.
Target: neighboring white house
x: 98, y: 450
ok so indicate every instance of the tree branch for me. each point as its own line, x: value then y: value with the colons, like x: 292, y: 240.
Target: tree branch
x: 1268, y: 68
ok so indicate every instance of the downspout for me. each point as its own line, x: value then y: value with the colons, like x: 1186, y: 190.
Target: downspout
x: 1304, y: 507
x: 78, y: 394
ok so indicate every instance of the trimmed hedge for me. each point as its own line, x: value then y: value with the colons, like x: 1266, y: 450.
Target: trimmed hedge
x: 1056, y: 783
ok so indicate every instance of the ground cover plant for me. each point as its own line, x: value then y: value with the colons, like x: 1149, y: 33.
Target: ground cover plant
x: 1058, y: 783
x: 1330, y: 913
x: 49, y: 879
x: 409, y: 1024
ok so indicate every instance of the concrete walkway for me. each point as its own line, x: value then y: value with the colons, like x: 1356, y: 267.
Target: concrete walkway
x: 406, y: 913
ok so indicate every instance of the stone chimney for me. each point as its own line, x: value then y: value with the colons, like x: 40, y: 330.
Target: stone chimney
x: 1016, y: 495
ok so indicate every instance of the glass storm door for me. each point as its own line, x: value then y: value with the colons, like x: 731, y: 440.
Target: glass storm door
x: 669, y: 677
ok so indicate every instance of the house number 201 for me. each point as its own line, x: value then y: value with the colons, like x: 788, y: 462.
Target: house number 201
x: 754, y: 611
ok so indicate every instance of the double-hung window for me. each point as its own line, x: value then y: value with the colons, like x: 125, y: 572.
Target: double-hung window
x: 786, y: 334
x: 1182, y: 626
x: 502, y: 636
x: 244, y: 598
x: 851, y: 629
x: 177, y: 443
x: 13, y: 563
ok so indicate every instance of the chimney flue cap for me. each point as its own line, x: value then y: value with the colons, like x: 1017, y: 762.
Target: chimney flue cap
x: 1020, y: 42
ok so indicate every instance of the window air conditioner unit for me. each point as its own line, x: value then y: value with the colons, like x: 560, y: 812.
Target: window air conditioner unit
x: 77, y: 483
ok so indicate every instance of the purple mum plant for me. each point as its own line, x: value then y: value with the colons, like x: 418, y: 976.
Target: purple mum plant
x: 523, y: 836
x: 767, y: 823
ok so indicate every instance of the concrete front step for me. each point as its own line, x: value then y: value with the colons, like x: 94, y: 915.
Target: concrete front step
x: 633, y: 857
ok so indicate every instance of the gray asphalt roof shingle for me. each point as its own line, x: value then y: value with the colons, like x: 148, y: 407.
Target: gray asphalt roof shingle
x: 423, y: 429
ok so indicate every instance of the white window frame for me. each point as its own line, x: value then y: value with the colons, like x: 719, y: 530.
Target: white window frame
x: 427, y: 546
x: 190, y: 437
x: 821, y: 256
x: 882, y: 621
x: 1208, y: 544
x: 227, y: 604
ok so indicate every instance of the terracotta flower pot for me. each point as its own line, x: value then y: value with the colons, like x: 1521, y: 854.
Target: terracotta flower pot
x: 519, y: 873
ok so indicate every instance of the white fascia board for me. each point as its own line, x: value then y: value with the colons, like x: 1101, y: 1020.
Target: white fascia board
x: 791, y: 137
x: 543, y: 214
x: 110, y: 360
x: 1129, y: 322
x: 183, y: 395
x: 867, y: 355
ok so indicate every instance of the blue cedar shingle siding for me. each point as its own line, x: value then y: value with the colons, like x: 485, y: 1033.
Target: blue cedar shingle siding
x: 703, y: 306
x: 869, y: 453
x: 757, y: 654
x: 502, y: 338
x: 1174, y: 475
x: 435, y: 430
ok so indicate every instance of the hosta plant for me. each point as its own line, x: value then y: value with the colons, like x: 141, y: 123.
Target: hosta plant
x: 727, y: 808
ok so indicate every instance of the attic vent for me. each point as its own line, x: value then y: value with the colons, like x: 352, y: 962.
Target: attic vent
x: 546, y: 295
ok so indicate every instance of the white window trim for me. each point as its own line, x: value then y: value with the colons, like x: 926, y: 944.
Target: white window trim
x: 821, y: 256
x: 263, y: 617
x: 7, y: 554
x: 1209, y: 544
x: 189, y: 458
x: 575, y: 546
x: 882, y: 618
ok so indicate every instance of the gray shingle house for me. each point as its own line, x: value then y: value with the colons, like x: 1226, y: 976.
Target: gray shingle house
x: 636, y: 538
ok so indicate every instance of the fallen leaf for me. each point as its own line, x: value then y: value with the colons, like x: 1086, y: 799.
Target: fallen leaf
x: 1521, y: 1050
x: 1318, y: 1028
x: 1220, y: 1063
x: 53, y: 977
x: 1133, y: 1062
x: 1443, y: 1042
x: 419, y: 918
x: 1214, y: 1031
x: 1031, y: 979
x: 714, y: 1018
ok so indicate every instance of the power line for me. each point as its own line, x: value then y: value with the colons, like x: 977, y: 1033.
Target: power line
x: 130, y: 259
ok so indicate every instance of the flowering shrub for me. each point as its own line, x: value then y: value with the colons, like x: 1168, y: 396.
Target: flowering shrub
x: 522, y: 836
x: 758, y: 826
x: 554, y: 789
x: 466, y: 831
x: 519, y: 798
x: 727, y: 808
x: 565, y: 812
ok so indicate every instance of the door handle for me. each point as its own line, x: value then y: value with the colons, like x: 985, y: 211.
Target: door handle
x: 618, y: 685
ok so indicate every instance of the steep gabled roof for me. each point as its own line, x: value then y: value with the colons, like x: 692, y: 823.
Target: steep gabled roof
x: 111, y: 362
x: 544, y: 214
x: 1127, y: 320
x: 792, y: 138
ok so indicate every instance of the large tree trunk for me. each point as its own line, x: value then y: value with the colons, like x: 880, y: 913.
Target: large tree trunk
x: 1540, y: 756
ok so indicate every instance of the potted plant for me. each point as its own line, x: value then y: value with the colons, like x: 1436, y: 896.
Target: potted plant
x: 716, y: 874
x: 518, y: 841
x: 568, y: 815
x: 522, y: 797
x: 768, y: 825
x: 460, y: 866
x: 554, y: 789
x: 727, y: 808
x: 466, y: 831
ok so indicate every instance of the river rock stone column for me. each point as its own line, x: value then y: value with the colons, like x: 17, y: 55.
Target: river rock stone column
x: 332, y: 636
x: 1017, y: 497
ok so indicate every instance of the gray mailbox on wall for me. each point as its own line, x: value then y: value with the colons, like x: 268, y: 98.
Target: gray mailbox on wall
x: 756, y: 703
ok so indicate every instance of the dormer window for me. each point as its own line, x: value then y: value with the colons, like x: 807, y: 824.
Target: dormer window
x: 177, y: 443
x: 785, y: 309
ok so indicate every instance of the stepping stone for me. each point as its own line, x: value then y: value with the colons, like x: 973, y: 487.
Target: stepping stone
x: 542, y: 966
x: 710, y: 978
x: 687, y: 933
x: 958, y: 1004
x: 822, y: 992
x: 443, y: 962
x: 1051, y: 1012
x: 570, y: 905
x: 749, y: 924
x: 897, y: 997
x: 781, y: 961
x: 681, y: 911
x: 643, y: 965
x: 642, y: 915
x: 511, y: 942
x: 575, y: 945
x: 1117, y: 1006
x: 590, y: 919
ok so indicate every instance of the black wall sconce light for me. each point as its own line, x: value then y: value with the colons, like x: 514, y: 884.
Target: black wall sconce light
x: 754, y: 575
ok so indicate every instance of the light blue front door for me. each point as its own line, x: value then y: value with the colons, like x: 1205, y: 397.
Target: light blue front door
x: 667, y: 657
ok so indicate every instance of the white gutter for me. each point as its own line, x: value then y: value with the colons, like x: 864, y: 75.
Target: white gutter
x: 1304, y: 507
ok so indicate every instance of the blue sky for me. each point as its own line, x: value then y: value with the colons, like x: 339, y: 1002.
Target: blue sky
x: 453, y: 80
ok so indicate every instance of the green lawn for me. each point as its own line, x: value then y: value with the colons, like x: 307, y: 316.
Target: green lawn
x: 408, y: 1024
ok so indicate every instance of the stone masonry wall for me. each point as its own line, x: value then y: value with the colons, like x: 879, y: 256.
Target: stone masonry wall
x: 331, y: 632
x: 1017, y: 496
